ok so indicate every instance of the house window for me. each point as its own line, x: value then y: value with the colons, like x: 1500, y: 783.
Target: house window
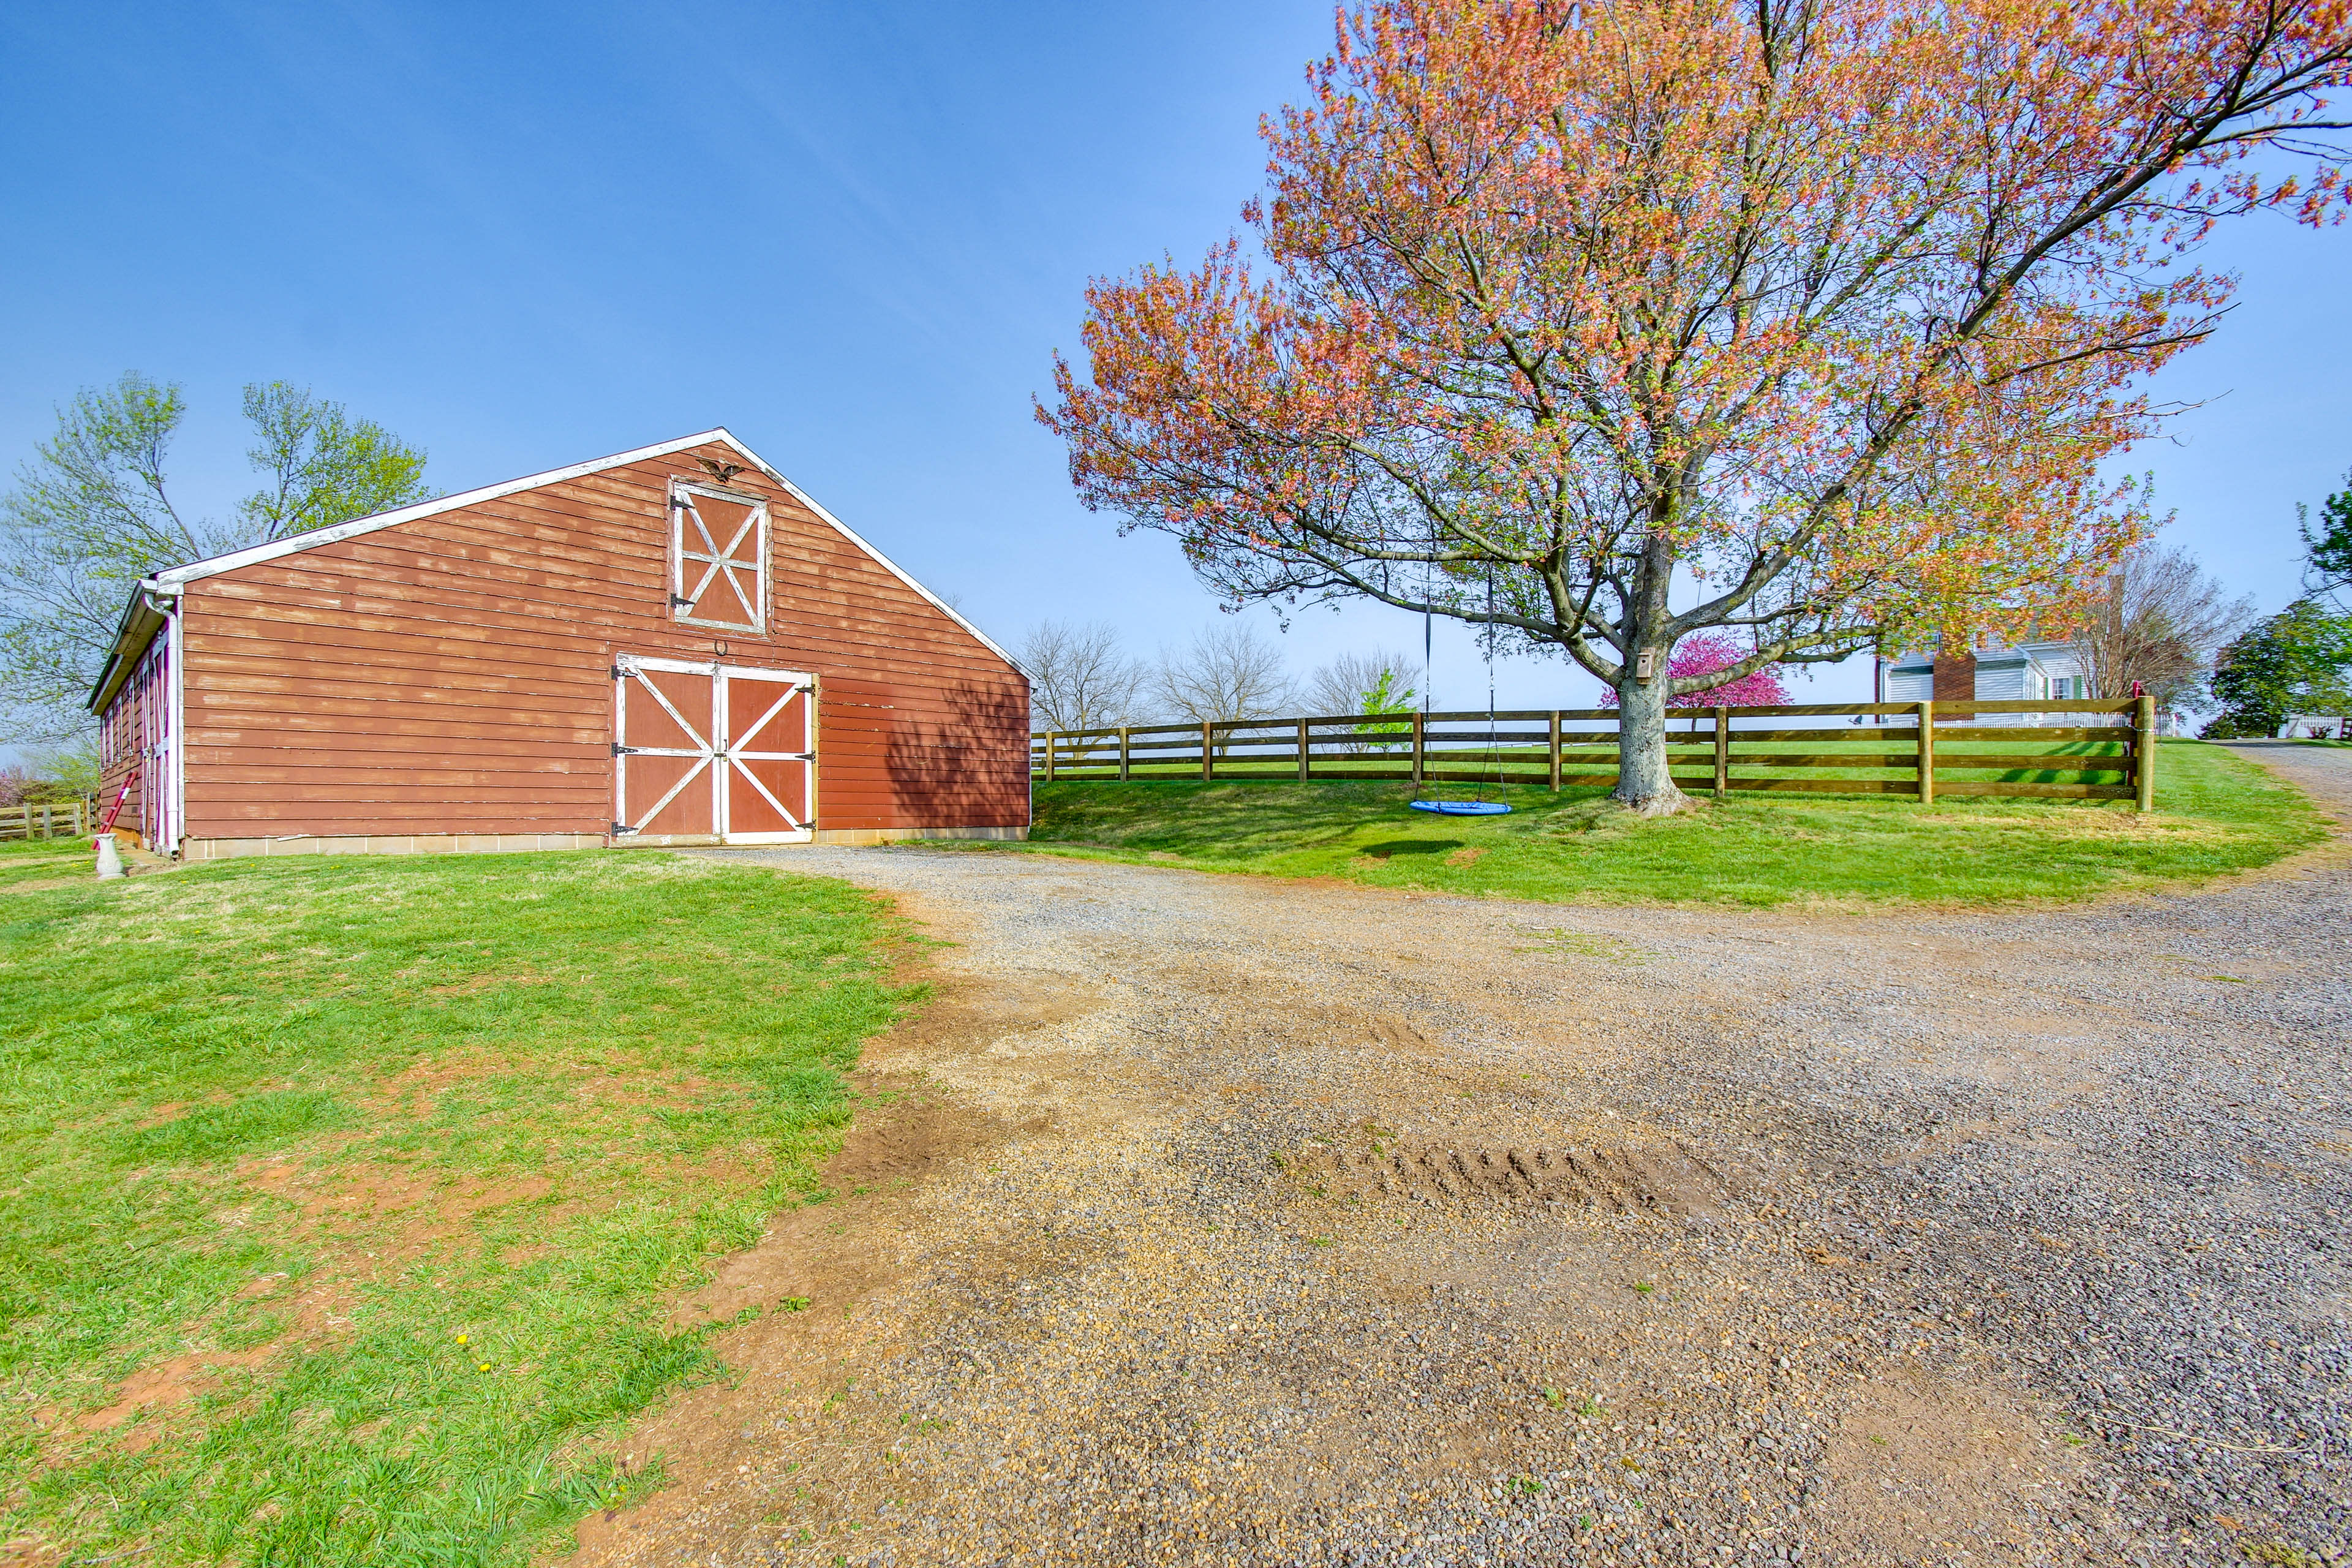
x: 718, y: 558
x: 2062, y: 687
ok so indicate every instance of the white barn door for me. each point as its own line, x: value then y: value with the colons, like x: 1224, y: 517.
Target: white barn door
x: 705, y: 751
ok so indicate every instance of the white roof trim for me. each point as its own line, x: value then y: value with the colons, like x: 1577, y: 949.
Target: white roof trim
x: 194, y: 569
x: 888, y: 564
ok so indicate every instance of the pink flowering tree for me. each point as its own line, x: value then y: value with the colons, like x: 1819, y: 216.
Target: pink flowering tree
x: 1695, y: 658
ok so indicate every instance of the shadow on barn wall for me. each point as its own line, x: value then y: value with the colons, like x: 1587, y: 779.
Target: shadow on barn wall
x: 972, y: 767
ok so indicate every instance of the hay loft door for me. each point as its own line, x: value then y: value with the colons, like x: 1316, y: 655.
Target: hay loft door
x: 718, y: 558
x: 706, y: 753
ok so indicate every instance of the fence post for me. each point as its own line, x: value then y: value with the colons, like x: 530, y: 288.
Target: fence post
x: 1722, y: 750
x: 1208, y: 752
x: 1554, y: 750
x: 1123, y: 736
x: 48, y: 823
x: 1302, y: 751
x: 1051, y: 736
x: 1927, y: 753
x: 2144, y: 752
x: 1419, y: 727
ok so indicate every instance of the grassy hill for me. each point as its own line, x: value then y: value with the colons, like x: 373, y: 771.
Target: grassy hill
x: 2218, y: 813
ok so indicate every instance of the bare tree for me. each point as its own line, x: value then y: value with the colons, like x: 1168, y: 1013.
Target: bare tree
x: 1349, y: 681
x: 1229, y: 671
x: 2160, y: 623
x: 1378, y: 681
x: 1080, y: 677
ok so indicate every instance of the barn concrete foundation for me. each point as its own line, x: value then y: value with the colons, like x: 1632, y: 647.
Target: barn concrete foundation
x: 388, y: 844
x: 897, y: 834
x: 196, y: 849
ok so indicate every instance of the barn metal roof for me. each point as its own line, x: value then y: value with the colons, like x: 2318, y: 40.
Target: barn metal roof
x: 142, y: 620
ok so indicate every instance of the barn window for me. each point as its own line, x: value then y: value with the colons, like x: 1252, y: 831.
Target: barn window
x: 718, y: 557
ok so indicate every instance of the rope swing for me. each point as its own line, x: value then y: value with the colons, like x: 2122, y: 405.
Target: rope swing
x: 1480, y: 805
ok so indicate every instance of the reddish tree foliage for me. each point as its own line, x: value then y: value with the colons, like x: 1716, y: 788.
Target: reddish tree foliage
x: 1834, y: 308
x: 1711, y: 654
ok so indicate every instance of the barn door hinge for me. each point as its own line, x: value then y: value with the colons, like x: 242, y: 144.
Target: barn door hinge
x: 619, y: 674
x: 622, y: 828
x: 621, y: 751
x: 679, y: 600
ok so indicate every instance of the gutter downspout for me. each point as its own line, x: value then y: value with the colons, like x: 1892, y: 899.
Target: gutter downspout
x: 175, y: 789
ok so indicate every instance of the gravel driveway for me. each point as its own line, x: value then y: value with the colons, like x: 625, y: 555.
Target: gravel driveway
x: 1218, y: 1219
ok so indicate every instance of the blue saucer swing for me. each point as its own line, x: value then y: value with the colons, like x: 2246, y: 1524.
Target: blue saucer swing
x: 1481, y: 807
x: 1464, y: 807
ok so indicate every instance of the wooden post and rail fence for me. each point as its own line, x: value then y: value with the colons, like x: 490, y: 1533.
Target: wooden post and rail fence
x: 46, y: 819
x: 2050, y: 749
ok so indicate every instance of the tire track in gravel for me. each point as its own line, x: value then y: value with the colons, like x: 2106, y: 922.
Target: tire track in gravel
x: 1235, y: 1220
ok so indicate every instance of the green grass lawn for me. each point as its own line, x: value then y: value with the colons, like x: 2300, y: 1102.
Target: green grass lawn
x: 2217, y: 813
x: 342, y: 1200
x: 24, y: 861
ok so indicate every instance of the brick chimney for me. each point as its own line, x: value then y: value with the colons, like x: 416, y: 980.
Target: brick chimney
x: 1956, y: 672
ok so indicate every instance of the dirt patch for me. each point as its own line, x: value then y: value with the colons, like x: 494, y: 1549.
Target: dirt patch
x: 168, y: 1382
x: 365, y: 1193
x: 808, y: 1288
x: 44, y: 884
x: 823, y: 1256
x: 394, y: 1212
x: 1926, y: 1467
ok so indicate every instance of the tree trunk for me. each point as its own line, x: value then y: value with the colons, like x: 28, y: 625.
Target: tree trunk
x: 1643, y: 783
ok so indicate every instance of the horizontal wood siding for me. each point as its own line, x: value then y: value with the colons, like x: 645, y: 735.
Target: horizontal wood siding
x: 452, y: 675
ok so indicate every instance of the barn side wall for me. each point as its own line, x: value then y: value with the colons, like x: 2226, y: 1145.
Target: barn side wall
x: 445, y: 683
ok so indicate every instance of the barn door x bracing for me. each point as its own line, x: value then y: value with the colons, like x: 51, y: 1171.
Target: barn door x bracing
x: 712, y: 751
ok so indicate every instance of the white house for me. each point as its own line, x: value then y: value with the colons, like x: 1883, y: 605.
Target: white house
x: 1993, y: 674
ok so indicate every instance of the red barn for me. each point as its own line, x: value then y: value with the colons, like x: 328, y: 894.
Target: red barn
x: 671, y: 646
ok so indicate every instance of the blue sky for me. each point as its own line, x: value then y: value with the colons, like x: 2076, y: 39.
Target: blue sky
x: 521, y: 236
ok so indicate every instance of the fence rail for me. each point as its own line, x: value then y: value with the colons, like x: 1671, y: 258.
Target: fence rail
x: 51, y: 819
x: 1919, y: 749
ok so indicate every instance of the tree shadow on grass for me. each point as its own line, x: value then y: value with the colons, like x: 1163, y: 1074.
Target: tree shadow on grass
x: 1388, y: 847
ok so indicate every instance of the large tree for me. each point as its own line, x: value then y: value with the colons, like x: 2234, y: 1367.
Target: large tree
x: 2327, y: 549
x: 2297, y: 661
x: 2158, y: 625
x: 92, y: 512
x: 1812, y: 320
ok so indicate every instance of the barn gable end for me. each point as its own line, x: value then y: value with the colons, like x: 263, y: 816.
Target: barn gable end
x: 443, y: 677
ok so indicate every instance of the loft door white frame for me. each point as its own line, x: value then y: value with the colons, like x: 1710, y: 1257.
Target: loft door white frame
x: 710, y: 578
x: 719, y: 757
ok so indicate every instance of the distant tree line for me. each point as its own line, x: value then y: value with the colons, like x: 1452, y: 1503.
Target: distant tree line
x: 1082, y: 677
